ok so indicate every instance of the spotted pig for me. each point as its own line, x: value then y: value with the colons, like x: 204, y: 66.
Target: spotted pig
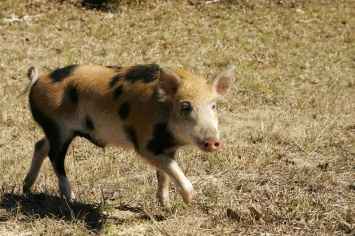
x: 149, y: 108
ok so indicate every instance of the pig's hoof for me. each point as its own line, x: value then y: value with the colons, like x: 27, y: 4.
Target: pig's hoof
x: 68, y: 197
x: 164, y: 201
x: 26, y: 189
x: 187, y: 194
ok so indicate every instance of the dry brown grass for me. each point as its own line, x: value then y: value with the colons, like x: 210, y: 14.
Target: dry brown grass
x: 287, y: 166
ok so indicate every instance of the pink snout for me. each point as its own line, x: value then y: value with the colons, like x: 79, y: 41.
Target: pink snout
x: 210, y: 144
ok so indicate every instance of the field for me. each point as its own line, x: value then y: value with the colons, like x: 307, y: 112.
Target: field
x: 287, y: 162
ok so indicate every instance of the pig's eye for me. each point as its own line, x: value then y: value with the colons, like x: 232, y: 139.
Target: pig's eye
x: 214, y: 106
x: 186, y: 108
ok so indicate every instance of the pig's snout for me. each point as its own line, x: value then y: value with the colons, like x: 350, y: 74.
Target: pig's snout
x: 210, y: 144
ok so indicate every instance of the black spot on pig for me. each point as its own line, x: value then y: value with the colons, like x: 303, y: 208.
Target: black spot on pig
x: 132, y: 136
x: 145, y: 73
x: 118, y: 91
x: 60, y: 74
x: 114, y: 80
x: 89, y: 123
x: 73, y: 94
x: 124, y: 110
x: 162, y: 139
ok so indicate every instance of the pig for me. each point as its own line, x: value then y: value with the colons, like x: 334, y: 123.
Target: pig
x: 150, y: 108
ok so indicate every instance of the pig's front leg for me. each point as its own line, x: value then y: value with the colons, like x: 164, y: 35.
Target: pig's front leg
x: 163, y: 188
x: 164, y: 163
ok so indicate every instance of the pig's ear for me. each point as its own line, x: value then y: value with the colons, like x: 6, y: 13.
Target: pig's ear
x: 168, y: 84
x: 223, y: 81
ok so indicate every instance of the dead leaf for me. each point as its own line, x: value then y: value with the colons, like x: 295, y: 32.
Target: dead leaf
x: 324, y: 166
x: 233, y: 215
x: 255, y: 214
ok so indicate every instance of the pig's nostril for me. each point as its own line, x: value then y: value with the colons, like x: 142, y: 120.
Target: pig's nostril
x: 210, y: 145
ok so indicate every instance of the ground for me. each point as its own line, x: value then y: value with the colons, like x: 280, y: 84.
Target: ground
x: 287, y: 162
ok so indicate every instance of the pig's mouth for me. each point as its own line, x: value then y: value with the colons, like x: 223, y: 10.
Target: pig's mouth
x: 210, y: 144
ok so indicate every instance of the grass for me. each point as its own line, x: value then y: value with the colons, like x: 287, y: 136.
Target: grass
x: 286, y: 166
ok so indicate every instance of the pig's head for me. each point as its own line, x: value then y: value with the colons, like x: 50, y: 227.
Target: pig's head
x: 193, y: 119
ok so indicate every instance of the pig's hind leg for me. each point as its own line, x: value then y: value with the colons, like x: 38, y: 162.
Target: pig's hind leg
x: 40, y: 152
x: 57, y: 153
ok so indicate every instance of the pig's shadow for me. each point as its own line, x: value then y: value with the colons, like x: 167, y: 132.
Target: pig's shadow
x: 41, y: 205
